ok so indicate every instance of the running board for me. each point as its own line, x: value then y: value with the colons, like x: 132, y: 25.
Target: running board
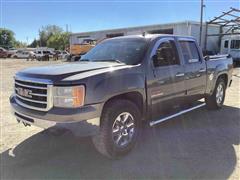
x: 152, y: 123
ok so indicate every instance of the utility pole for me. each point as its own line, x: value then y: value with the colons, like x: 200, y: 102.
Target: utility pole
x: 66, y: 27
x: 201, y: 23
x: 27, y: 39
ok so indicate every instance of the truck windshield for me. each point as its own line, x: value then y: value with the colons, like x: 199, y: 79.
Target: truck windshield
x: 127, y: 51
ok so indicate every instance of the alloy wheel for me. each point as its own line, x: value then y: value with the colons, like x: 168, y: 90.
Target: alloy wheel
x: 123, y: 129
x: 219, y: 94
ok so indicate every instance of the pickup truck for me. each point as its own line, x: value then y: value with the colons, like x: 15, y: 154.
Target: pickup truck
x: 119, y: 84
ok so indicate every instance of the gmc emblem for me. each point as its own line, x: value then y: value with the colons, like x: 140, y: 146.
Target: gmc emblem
x: 24, y: 92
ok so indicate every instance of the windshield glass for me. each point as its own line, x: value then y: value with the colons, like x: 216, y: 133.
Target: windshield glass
x: 127, y: 51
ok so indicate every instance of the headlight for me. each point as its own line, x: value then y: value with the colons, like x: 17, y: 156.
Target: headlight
x: 68, y: 96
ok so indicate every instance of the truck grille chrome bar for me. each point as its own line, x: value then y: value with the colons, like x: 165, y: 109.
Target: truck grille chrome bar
x: 24, y: 85
x: 34, y: 93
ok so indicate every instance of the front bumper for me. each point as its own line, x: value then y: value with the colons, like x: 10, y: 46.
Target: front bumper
x: 83, y: 121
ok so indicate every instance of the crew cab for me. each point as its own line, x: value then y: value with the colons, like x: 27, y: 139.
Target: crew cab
x: 120, y: 83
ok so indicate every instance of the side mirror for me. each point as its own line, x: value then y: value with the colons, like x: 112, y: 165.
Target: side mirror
x: 155, y: 60
x: 206, y: 58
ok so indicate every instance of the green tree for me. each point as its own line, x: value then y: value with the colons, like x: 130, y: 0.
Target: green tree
x: 59, y: 41
x: 7, y: 38
x: 19, y: 44
x: 34, y: 44
x: 46, y: 32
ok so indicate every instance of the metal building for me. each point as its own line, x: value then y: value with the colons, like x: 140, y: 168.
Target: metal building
x: 188, y: 28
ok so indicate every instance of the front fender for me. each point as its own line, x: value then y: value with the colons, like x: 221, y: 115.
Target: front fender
x: 116, y: 84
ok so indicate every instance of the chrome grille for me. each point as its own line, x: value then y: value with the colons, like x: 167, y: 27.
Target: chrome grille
x: 33, y: 93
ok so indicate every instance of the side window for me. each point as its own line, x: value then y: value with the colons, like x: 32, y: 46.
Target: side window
x: 235, y: 44
x: 190, y: 51
x: 226, y: 44
x: 166, y: 54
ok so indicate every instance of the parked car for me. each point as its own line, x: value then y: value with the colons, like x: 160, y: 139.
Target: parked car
x: 22, y: 54
x: 120, y: 83
x: 65, y: 54
x: 3, y: 53
x: 11, y: 51
x: 61, y: 54
x: 43, y: 55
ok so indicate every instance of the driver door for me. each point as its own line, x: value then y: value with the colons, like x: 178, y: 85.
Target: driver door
x: 168, y: 88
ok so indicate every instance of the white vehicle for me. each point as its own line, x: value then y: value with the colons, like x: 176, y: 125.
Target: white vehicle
x: 11, y: 51
x: 43, y: 54
x: 63, y: 54
x: 231, y: 45
x: 21, y: 54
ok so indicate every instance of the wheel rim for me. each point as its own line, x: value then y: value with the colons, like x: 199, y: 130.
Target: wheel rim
x: 219, y: 94
x: 123, y: 129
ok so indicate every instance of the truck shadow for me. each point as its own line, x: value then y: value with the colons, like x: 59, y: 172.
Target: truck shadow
x: 196, y: 145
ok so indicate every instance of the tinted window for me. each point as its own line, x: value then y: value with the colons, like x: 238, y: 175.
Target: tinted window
x: 128, y: 51
x: 166, y: 54
x: 190, y: 51
x: 226, y: 44
x: 235, y: 44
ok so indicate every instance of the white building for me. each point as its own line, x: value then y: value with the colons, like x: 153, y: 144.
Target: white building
x: 188, y: 28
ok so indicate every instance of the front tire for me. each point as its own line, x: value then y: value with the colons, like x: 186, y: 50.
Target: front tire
x: 119, y: 129
x: 216, y: 100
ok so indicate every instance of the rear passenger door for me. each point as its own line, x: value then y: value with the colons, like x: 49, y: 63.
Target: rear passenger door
x: 195, y: 68
x: 167, y: 87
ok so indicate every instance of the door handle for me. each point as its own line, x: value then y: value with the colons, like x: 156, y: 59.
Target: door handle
x: 202, y: 70
x: 179, y: 74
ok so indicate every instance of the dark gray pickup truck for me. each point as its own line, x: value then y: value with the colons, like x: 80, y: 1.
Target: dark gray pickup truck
x: 117, y: 85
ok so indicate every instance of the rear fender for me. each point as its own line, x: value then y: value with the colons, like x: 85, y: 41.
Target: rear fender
x: 213, y: 76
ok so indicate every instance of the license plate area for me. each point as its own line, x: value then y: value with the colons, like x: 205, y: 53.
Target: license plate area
x: 21, y: 117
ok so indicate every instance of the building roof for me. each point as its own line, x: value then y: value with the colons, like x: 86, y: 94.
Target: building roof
x: 140, y: 27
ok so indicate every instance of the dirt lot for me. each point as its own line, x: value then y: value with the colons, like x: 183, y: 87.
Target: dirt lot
x: 200, y: 145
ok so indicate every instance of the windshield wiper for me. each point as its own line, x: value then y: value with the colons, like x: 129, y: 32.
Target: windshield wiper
x: 110, y: 60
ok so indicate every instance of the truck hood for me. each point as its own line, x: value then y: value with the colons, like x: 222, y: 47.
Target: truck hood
x: 58, y: 72
x: 68, y: 68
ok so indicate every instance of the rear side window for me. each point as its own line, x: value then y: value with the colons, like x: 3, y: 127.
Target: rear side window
x: 190, y: 51
x: 226, y: 44
x: 235, y: 44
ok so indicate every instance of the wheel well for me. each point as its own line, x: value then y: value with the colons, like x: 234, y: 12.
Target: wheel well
x: 224, y: 77
x: 134, y: 97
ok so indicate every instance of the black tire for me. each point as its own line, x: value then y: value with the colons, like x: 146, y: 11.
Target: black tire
x: 104, y: 141
x: 211, y: 101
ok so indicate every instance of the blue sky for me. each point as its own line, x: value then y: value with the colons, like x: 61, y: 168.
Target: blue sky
x: 26, y: 17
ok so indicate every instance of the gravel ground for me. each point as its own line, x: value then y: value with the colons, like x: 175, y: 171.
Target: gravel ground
x: 199, y: 145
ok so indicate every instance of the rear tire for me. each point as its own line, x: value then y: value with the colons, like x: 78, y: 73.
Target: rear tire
x: 119, y: 130
x: 216, y: 100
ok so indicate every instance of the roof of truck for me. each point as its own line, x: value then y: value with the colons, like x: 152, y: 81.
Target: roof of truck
x: 152, y: 36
